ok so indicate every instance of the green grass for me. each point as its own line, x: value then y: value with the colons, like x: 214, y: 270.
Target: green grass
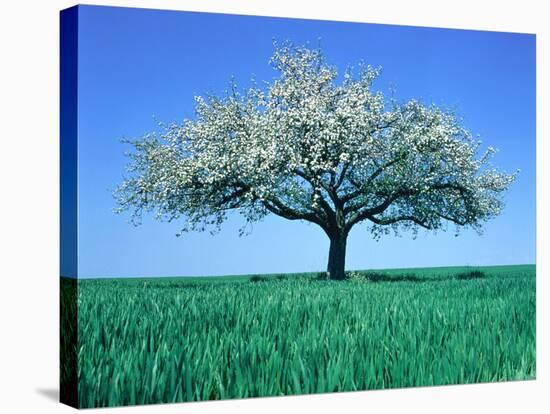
x: 157, y: 340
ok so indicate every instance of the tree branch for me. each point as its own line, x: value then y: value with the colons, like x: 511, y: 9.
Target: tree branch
x: 326, y: 207
x: 275, y: 206
x: 367, y: 213
x: 342, y: 176
x: 454, y: 220
x: 393, y: 220
x: 372, y: 177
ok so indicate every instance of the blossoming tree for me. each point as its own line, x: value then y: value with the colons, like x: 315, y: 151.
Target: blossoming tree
x: 307, y: 147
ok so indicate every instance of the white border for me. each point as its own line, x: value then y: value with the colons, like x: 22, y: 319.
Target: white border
x: 29, y: 205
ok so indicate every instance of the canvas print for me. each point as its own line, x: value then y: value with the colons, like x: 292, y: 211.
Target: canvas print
x: 256, y: 206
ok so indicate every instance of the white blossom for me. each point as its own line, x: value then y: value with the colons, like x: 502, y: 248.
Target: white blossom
x: 308, y: 148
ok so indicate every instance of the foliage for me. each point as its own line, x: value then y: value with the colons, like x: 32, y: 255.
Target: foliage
x: 170, y: 340
x: 306, y: 147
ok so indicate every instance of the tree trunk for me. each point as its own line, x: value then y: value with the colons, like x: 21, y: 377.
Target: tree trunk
x: 337, y: 257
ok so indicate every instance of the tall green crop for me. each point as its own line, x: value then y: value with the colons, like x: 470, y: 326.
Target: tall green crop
x: 169, y: 340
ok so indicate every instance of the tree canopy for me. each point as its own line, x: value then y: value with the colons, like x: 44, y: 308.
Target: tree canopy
x: 315, y: 147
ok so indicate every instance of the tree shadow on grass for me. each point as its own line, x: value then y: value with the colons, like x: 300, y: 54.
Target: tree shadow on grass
x: 383, y: 277
x: 412, y: 277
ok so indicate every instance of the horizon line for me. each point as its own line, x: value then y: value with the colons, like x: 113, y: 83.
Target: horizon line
x: 283, y: 273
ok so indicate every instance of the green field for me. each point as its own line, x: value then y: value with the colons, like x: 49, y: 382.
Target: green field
x: 155, y: 340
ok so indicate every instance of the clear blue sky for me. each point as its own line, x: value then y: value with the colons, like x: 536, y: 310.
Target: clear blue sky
x: 136, y: 66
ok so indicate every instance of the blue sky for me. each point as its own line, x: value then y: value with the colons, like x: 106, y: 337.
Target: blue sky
x: 138, y: 66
